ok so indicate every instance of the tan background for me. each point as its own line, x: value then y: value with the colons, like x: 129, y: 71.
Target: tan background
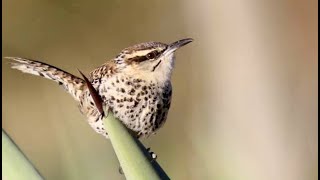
x: 245, y: 91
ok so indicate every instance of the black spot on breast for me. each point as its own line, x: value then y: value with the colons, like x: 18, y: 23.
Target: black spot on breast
x: 110, y: 102
x: 122, y: 90
x: 152, y: 117
x: 132, y: 91
x: 158, y: 114
x: 111, y: 108
x: 137, y: 80
x: 135, y: 104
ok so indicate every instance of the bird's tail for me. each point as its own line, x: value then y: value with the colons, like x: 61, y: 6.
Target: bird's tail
x: 72, y: 84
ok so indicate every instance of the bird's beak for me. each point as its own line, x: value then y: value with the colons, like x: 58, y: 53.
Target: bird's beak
x: 176, y: 45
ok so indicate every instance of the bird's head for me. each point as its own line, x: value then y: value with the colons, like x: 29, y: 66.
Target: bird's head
x: 152, y: 60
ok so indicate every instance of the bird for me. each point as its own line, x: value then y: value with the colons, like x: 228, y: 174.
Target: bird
x: 135, y: 85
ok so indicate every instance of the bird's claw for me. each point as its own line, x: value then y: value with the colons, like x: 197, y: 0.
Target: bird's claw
x: 152, y: 154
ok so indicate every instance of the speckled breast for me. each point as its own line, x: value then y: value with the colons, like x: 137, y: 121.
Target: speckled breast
x: 141, y: 105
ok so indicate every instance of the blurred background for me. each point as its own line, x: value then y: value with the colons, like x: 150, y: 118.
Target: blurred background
x: 245, y: 91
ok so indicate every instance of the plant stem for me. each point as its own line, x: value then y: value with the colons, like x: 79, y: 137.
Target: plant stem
x: 133, y: 156
x: 135, y: 160
x: 15, y: 164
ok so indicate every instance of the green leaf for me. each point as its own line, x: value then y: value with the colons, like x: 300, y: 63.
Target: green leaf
x: 134, y: 159
x: 15, y: 164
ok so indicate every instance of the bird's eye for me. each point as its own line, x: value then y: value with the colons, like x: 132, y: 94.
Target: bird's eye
x: 151, y: 55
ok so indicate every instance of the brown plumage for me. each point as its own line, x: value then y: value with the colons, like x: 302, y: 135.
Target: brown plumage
x: 135, y: 86
x: 72, y: 84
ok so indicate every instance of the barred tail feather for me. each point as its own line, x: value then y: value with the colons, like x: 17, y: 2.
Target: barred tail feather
x: 72, y: 84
